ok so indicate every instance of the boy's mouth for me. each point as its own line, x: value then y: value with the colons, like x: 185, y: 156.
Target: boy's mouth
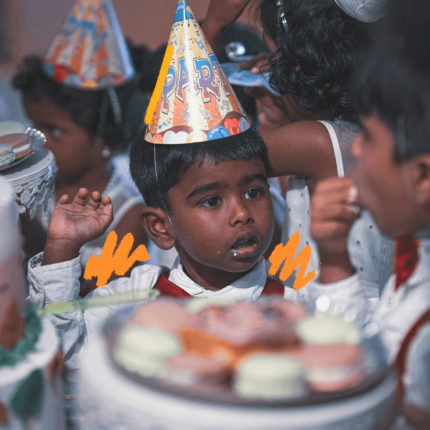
x: 244, y: 245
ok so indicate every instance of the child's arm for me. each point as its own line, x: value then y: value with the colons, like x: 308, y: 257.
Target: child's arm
x: 57, y: 278
x: 332, y: 217
x: 74, y: 223
x: 301, y: 148
x: 221, y: 13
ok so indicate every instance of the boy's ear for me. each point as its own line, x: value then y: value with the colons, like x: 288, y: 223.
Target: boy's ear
x: 158, y: 227
x: 422, y: 179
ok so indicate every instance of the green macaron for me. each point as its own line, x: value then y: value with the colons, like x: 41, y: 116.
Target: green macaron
x: 144, y: 350
x: 270, y: 377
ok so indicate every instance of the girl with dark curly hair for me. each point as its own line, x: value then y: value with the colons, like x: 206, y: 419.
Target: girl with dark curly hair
x: 85, y: 126
x: 315, y: 47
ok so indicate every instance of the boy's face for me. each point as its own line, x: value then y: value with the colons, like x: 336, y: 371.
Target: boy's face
x: 384, y: 185
x: 74, y: 148
x: 222, y: 216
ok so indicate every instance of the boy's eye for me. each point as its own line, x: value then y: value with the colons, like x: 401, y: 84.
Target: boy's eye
x: 253, y: 193
x: 210, y: 202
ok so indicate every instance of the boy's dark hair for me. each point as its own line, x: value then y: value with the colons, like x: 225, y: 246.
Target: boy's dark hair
x: 316, y: 54
x: 156, y: 168
x: 393, y: 81
x: 90, y: 109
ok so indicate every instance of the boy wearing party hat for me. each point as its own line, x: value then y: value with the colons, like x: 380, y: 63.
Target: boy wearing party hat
x: 202, y: 171
x: 392, y: 181
x: 84, y: 96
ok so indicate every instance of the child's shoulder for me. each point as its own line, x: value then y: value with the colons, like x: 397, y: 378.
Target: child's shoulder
x: 143, y: 277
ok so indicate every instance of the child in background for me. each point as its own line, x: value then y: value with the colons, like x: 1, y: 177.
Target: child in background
x: 86, y: 121
x: 392, y: 180
x: 206, y: 193
x: 317, y: 45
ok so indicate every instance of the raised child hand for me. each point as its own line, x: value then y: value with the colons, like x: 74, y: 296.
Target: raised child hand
x: 221, y: 13
x: 76, y: 222
x: 226, y: 11
x: 333, y: 211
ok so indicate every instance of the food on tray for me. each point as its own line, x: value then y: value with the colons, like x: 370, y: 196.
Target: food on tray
x: 271, y: 349
x: 270, y: 376
x: 7, y: 156
x: 332, y: 367
x: 324, y: 329
x: 144, y: 350
x: 11, y: 127
x: 13, y: 134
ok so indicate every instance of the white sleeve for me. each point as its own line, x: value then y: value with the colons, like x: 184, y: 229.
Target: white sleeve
x: 335, y: 298
x: 417, y: 376
x: 60, y: 282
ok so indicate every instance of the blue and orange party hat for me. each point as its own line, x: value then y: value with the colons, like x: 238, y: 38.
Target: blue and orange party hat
x: 90, y: 52
x: 192, y: 100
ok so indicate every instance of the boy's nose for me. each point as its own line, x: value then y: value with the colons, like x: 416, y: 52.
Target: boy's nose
x: 240, y: 213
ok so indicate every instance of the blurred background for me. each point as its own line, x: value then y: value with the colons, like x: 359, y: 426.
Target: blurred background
x: 28, y: 26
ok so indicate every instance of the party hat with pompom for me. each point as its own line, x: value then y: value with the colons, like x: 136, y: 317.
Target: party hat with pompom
x: 90, y: 51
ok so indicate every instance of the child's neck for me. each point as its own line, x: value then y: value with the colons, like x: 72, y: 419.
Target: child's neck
x: 93, y: 180
x: 210, y: 278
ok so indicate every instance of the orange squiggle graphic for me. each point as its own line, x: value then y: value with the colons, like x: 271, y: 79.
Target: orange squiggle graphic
x: 110, y: 261
x: 285, y: 254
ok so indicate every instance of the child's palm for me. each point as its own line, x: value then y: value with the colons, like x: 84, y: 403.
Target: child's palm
x: 82, y: 219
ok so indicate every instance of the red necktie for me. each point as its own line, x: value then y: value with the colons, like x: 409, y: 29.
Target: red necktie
x: 406, y: 259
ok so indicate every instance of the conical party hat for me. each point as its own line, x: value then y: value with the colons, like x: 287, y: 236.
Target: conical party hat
x: 192, y: 100
x: 90, y: 52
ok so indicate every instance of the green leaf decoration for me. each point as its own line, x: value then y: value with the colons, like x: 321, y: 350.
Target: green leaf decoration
x: 33, y: 328
x: 27, y: 398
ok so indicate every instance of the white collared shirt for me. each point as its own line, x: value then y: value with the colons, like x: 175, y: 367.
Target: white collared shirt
x: 395, y: 313
x: 60, y: 282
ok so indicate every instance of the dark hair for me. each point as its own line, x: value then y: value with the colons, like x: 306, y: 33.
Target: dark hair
x: 316, y: 54
x: 90, y: 109
x: 393, y: 81
x: 156, y: 168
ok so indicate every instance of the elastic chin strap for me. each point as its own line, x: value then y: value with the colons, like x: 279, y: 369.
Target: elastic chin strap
x: 116, y: 106
x: 111, y: 97
x: 101, y: 126
x: 158, y: 186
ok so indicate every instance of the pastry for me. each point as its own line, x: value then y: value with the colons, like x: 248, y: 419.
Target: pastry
x: 144, y: 350
x: 270, y: 377
x: 28, y: 344
x: 7, y: 155
x: 199, y: 371
x: 11, y: 127
x: 12, y: 133
x: 333, y: 367
x: 324, y: 329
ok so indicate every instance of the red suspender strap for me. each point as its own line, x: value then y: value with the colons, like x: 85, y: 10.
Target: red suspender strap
x: 402, y: 355
x: 273, y: 288
x: 169, y: 289
x: 406, y: 259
